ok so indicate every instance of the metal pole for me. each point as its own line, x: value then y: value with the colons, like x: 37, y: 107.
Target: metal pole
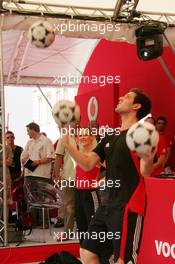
x: 164, y: 66
x: 44, y: 96
x: 5, y: 215
x: 169, y: 42
x: 30, y: 2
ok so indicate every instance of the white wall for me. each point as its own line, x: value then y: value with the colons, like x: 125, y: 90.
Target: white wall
x: 25, y: 104
x: 42, y: 112
x: 19, y: 109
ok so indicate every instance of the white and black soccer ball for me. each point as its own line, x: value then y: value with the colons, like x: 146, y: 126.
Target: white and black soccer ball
x: 65, y: 112
x: 142, y: 138
x: 41, y: 34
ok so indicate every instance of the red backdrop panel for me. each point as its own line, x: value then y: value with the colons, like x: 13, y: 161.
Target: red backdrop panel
x: 116, y: 58
x: 158, y: 240
x: 107, y: 98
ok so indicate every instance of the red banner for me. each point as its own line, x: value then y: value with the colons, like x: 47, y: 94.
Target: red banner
x: 99, y: 104
x: 158, y: 240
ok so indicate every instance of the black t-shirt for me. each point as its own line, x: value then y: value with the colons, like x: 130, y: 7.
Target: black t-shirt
x: 122, y: 177
x: 15, y: 169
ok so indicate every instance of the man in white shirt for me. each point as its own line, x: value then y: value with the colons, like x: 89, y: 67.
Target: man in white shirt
x: 65, y: 172
x: 39, y: 153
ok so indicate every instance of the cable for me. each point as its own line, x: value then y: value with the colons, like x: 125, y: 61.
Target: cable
x: 164, y: 66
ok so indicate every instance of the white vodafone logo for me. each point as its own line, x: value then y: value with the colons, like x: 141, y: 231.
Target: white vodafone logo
x: 174, y: 212
x: 163, y: 247
x: 92, y: 109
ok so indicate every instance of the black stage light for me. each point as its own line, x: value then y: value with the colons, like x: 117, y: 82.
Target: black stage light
x: 149, y: 41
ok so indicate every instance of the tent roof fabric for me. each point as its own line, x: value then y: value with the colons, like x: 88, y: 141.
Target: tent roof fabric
x: 27, y: 65
x: 90, y: 20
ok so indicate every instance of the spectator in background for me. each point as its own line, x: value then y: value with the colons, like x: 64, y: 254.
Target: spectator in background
x: 86, y: 193
x: 95, y: 131
x: 60, y: 216
x: 65, y: 171
x: 161, y: 124
x: 160, y: 155
x: 8, y: 160
x: 40, y: 151
x: 94, y: 125
x: 15, y: 168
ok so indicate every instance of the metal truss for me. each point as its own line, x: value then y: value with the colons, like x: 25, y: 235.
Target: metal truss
x: 3, y: 190
x: 167, y: 18
x: 125, y: 11
x: 2, y: 187
x: 1, y: 154
x: 18, y: 59
x: 57, y: 10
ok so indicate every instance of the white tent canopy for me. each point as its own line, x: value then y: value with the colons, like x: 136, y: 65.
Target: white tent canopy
x: 27, y: 65
x: 78, y: 26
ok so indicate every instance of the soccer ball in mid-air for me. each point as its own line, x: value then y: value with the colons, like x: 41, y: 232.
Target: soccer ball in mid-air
x: 66, y: 112
x: 41, y: 34
x: 142, y: 138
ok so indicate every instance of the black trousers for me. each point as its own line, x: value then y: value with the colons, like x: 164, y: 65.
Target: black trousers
x: 117, y: 231
x: 86, y: 204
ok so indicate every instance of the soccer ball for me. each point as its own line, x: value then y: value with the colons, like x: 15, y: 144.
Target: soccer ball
x: 41, y: 34
x: 142, y: 138
x: 65, y: 112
